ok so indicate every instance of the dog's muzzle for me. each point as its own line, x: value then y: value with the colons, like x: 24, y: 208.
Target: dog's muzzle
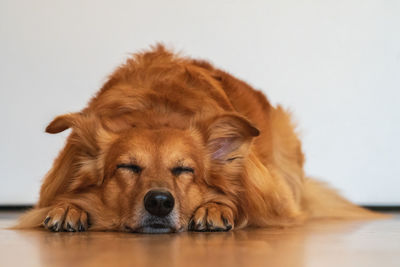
x: 159, y: 216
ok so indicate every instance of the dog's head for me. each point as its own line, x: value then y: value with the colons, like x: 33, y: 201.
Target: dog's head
x: 151, y: 180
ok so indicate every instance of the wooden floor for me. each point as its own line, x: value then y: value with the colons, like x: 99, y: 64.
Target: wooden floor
x: 323, y: 243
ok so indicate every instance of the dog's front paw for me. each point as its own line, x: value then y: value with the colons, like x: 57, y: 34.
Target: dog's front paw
x: 212, y: 217
x: 66, y: 217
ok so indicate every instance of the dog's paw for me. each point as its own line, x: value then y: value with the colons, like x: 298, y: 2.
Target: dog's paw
x: 212, y: 217
x: 66, y: 217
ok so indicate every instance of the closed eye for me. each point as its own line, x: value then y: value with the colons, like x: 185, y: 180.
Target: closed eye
x: 180, y: 170
x: 132, y: 167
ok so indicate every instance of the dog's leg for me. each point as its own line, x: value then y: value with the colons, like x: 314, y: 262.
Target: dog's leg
x: 56, y: 180
x: 212, y: 217
x: 66, y: 217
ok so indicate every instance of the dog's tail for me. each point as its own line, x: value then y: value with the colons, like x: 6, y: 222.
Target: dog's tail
x: 31, y: 219
x: 322, y: 202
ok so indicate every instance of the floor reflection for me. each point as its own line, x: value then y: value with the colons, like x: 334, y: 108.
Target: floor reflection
x: 297, y: 246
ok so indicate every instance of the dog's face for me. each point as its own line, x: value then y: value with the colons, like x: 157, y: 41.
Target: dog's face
x: 156, y: 177
x: 152, y: 179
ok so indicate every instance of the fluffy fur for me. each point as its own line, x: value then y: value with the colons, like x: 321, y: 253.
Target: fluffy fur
x: 158, y: 111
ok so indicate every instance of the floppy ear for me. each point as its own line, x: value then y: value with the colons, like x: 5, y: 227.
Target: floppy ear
x: 228, y: 136
x: 88, y: 137
x: 86, y: 129
x: 62, y: 123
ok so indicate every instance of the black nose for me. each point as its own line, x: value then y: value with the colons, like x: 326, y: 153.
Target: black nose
x: 159, y: 203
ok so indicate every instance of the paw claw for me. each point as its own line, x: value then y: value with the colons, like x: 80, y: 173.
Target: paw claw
x: 46, y: 220
x: 55, y: 227
x: 70, y: 228
x: 81, y: 228
x: 191, y: 224
x: 198, y: 227
x: 226, y: 223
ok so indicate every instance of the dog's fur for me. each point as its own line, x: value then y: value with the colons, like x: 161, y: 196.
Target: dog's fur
x: 160, y: 111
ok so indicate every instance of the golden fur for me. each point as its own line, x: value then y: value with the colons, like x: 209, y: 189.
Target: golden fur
x: 160, y: 110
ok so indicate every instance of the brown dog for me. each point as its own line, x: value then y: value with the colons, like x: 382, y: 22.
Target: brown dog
x: 172, y: 144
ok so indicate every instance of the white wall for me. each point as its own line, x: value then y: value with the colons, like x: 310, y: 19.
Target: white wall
x: 335, y: 64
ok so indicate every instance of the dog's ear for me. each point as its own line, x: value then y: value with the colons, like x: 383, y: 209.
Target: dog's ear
x: 228, y: 135
x: 62, y: 123
x: 86, y: 127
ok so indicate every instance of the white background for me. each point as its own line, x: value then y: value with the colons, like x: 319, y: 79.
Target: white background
x: 335, y: 64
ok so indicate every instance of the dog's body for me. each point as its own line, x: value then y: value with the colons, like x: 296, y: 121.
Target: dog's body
x: 172, y: 144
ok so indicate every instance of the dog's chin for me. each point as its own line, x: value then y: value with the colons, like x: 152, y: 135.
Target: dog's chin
x: 149, y: 224
x: 155, y: 229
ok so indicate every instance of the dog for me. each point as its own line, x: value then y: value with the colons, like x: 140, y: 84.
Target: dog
x: 172, y: 144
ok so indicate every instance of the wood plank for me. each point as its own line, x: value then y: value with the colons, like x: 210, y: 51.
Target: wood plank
x: 318, y: 243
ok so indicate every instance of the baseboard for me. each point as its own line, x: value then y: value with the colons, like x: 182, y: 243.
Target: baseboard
x: 382, y: 208
x: 15, y: 207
